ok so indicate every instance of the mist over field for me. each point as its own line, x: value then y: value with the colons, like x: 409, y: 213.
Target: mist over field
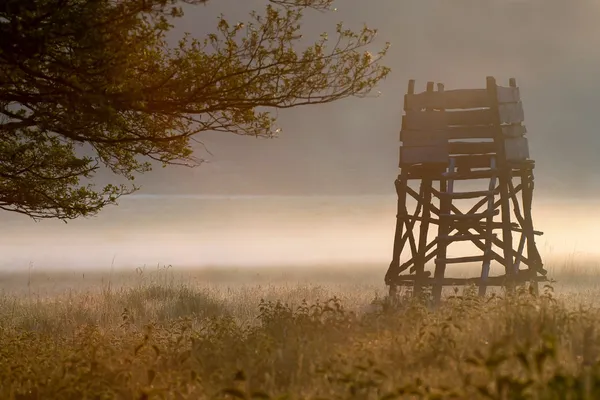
x: 256, y: 231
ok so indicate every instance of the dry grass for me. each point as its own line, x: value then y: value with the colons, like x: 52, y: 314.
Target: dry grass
x: 269, y: 333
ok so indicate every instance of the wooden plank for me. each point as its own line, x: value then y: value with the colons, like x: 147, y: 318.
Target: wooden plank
x: 459, y: 99
x: 508, y: 94
x: 514, y: 131
x: 424, y: 138
x: 473, y: 161
x: 511, y: 113
x: 424, y: 120
x: 423, y: 154
x: 471, y: 147
x: 459, y: 238
x: 480, y: 226
x: 460, y: 176
x: 469, y: 132
x: 448, y: 99
x: 438, y: 171
x: 484, y: 132
x: 517, y: 149
x: 460, y: 260
x: 470, y: 216
x: 470, y: 118
x: 466, y: 195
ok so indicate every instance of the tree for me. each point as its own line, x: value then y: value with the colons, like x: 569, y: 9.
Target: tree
x: 90, y: 84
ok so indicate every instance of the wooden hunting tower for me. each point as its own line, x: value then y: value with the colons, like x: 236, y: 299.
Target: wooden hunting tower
x: 468, y: 137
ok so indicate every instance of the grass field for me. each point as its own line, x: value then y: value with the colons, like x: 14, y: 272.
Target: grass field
x: 312, y: 332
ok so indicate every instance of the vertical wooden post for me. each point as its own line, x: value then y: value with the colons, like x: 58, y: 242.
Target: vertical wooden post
x: 426, y: 189
x: 443, y: 231
x: 401, y: 220
x: 426, y: 185
x: 504, y: 174
x: 411, y: 89
x: 401, y: 216
x: 532, y: 252
x: 489, y: 233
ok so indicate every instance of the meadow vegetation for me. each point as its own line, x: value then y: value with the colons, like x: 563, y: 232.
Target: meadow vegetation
x: 157, y: 337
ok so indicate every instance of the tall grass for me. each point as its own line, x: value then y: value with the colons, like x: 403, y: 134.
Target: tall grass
x: 166, y: 339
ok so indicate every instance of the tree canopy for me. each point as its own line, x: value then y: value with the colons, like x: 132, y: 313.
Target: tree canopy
x: 91, y: 84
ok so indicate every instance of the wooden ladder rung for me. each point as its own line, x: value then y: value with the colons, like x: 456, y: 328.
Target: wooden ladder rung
x: 460, y: 260
x: 474, y: 216
x: 468, y: 195
x: 458, y: 238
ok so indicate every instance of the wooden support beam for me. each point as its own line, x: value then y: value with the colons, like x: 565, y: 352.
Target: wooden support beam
x: 459, y: 238
x: 516, y: 209
x: 401, y: 214
x: 497, y: 225
x: 446, y: 186
x: 489, y: 236
x: 520, y: 249
x: 469, y: 175
x: 410, y: 220
x: 436, y: 172
x: 431, y: 253
x: 504, y: 174
x: 407, y: 280
x: 426, y: 187
x: 421, y: 199
x: 532, y: 251
x: 471, y: 217
x: 465, y: 195
x: 460, y: 260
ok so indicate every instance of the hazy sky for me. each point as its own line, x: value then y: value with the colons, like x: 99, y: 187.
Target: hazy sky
x: 351, y: 147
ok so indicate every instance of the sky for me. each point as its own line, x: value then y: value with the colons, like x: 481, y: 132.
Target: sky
x: 348, y: 150
x: 351, y: 147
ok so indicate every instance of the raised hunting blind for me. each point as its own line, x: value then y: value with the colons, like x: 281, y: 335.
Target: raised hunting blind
x: 474, y: 138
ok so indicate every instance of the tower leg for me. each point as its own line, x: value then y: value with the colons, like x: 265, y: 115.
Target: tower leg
x: 533, y: 255
x: 401, y: 219
x: 442, y: 246
x: 504, y: 174
x: 489, y: 234
x: 426, y: 190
